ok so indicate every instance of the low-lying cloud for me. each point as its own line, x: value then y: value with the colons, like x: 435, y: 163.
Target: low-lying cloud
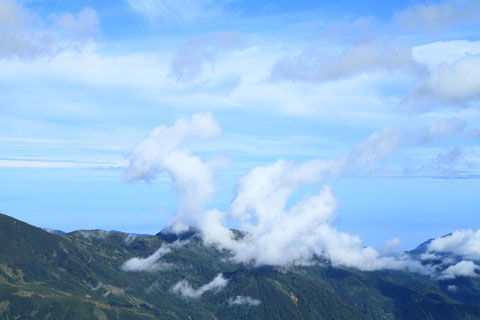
x: 277, y: 231
x: 185, y: 289
x: 463, y: 268
x: 152, y: 262
x: 242, y: 300
x: 463, y: 243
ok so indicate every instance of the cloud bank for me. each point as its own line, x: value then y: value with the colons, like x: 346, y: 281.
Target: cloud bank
x: 185, y: 289
x: 464, y: 243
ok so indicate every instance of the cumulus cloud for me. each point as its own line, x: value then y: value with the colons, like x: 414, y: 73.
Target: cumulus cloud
x: 173, y: 10
x: 185, y: 289
x: 277, y: 235
x: 462, y: 269
x: 313, y: 65
x: 278, y: 232
x: 192, y: 178
x: 190, y: 60
x: 464, y: 243
x: 434, y: 17
x: 241, y: 300
x: 151, y: 262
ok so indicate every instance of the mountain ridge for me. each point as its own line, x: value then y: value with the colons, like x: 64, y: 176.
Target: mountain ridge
x: 79, y: 276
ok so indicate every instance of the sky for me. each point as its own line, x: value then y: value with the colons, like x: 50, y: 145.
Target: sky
x: 385, y: 95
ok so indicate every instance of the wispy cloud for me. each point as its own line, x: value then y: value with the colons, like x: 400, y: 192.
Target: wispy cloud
x: 152, y: 262
x: 314, y: 65
x: 32, y: 163
x: 185, y: 289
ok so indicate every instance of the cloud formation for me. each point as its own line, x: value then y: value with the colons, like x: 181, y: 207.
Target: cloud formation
x: 461, y: 269
x: 455, y: 84
x: 192, y: 178
x: 464, y: 243
x: 241, y: 300
x: 185, y: 289
x: 151, y: 262
x: 278, y: 231
x: 277, y: 235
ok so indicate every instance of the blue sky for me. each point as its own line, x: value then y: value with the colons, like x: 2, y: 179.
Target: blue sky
x: 82, y: 83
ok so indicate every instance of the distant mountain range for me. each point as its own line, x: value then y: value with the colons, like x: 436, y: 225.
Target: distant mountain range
x: 95, y: 274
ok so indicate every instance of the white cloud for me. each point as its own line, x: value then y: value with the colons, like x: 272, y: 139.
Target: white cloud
x: 192, y: 178
x: 185, y: 289
x: 390, y: 245
x: 452, y: 288
x: 313, y: 65
x: 151, y: 262
x: 173, y: 10
x: 464, y: 243
x: 280, y: 236
x: 434, y: 54
x: 454, y: 84
x: 189, y: 62
x: 276, y: 234
x: 461, y: 269
x: 241, y: 300
x: 438, y: 16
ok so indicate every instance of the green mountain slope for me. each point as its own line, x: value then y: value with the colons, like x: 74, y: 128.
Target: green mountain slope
x: 78, y: 276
